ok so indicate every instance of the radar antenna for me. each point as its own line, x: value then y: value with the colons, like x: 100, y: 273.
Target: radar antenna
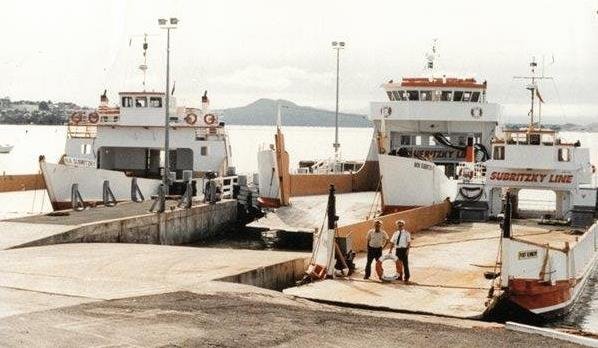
x: 431, y: 56
x: 534, y: 91
x: 143, y: 67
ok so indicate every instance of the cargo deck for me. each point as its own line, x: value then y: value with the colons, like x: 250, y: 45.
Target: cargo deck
x: 447, y: 264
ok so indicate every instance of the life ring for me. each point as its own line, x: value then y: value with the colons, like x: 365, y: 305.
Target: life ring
x: 93, y: 117
x: 76, y: 117
x: 476, y: 112
x: 209, y: 119
x: 191, y: 118
x: 386, y: 257
x: 386, y: 111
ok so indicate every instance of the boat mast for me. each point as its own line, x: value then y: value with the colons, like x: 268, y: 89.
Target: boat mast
x: 533, y: 88
x: 143, y: 67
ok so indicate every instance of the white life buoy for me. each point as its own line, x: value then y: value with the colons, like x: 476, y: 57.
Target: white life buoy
x: 209, y: 119
x: 191, y: 118
x: 394, y: 258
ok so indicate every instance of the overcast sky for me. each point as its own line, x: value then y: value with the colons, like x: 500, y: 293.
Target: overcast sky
x: 244, y: 50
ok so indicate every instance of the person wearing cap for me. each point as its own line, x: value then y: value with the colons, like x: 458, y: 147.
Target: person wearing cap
x: 377, y: 239
x: 401, y: 239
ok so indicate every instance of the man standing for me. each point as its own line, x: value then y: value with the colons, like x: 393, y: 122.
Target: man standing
x: 402, y: 240
x: 377, y: 239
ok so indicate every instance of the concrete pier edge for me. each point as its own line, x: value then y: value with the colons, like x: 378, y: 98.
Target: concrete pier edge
x: 546, y: 332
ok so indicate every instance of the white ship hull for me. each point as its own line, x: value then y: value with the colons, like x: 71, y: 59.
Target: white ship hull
x: 59, y: 179
x: 409, y: 182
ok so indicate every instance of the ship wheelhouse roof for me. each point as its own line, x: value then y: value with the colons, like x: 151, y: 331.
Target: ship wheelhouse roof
x: 448, y: 89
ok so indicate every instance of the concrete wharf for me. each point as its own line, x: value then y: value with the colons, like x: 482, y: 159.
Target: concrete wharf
x: 127, y: 222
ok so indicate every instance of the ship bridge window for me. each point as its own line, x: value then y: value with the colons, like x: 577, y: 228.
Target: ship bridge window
x: 397, y: 95
x: 127, y: 102
x: 425, y: 95
x: 390, y: 96
x: 475, y: 97
x: 564, y: 155
x: 405, y: 139
x: 466, y: 96
x: 141, y: 102
x: 446, y: 96
x: 402, y: 95
x: 457, y: 96
x: 156, y: 102
x: 413, y: 95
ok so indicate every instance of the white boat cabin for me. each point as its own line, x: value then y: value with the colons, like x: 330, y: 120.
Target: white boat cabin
x: 432, y: 118
x: 130, y: 137
x: 538, y: 159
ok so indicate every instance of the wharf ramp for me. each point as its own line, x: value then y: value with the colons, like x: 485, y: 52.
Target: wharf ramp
x: 306, y: 213
x: 126, y: 222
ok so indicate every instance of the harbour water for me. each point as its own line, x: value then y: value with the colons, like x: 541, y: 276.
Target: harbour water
x: 302, y: 143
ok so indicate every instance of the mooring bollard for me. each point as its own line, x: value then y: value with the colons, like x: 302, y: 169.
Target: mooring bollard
x: 107, y: 195
x: 136, y: 194
x: 77, y: 202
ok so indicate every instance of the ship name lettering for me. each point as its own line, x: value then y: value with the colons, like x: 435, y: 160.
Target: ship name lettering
x: 532, y: 177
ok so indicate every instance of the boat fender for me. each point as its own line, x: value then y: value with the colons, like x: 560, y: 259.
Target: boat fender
x: 380, y: 269
x: 76, y: 117
x: 209, y: 119
x: 191, y: 118
x: 93, y: 117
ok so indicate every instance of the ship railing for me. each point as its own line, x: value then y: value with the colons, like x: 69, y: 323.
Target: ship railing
x: 201, y: 133
x: 82, y: 131
x: 226, y: 184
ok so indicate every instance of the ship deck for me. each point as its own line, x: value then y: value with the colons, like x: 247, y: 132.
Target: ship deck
x: 447, y: 265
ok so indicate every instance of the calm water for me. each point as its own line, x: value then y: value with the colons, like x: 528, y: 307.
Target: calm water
x: 302, y: 143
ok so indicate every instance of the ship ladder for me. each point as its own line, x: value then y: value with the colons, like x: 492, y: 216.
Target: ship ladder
x: 107, y: 195
x: 76, y: 200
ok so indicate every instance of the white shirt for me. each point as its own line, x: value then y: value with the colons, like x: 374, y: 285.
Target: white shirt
x: 405, y: 238
x: 376, y: 239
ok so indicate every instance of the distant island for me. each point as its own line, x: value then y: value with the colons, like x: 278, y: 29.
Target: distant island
x: 262, y: 112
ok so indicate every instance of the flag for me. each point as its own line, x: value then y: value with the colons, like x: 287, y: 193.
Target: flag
x: 173, y: 87
x: 539, y: 96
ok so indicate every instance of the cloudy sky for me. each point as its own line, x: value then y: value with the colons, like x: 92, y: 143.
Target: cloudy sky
x: 244, y: 50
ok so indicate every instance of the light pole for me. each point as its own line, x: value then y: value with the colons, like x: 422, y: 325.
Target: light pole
x: 167, y: 24
x: 338, y: 46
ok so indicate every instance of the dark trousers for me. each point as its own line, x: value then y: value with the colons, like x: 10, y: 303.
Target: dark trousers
x: 403, y: 256
x: 373, y: 254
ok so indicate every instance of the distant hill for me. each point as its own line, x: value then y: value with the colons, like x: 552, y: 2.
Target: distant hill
x: 263, y: 113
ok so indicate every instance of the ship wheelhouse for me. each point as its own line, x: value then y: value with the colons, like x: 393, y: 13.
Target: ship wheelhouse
x: 432, y: 118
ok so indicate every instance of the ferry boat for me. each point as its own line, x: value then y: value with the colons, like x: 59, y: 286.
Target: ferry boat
x: 423, y: 132
x: 122, y: 146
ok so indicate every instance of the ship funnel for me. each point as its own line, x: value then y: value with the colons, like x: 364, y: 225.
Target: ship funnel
x: 205, y: 101
x: 104, y: 99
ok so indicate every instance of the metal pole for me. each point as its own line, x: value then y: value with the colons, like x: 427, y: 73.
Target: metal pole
x: 165, y: 178
x: 336, y: 144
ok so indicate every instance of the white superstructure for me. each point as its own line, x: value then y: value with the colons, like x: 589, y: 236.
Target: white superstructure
x: 423, y: 130
x: 116, y: 143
